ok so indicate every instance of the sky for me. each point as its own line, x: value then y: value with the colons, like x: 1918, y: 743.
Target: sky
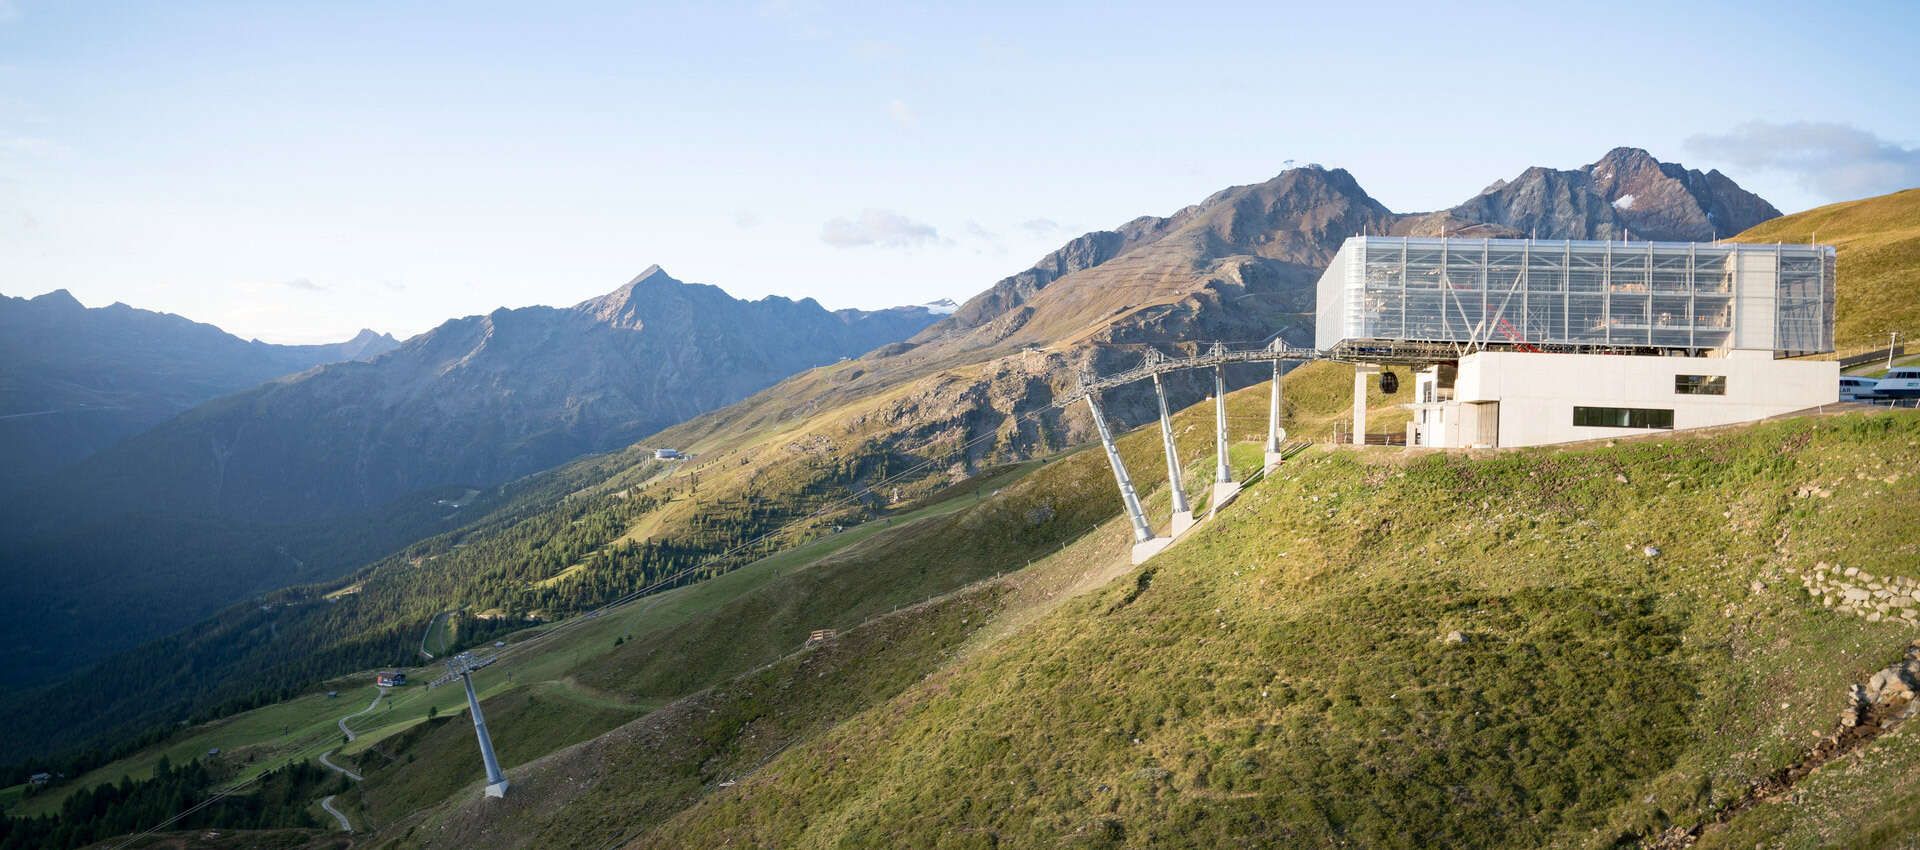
x: 297, y: 171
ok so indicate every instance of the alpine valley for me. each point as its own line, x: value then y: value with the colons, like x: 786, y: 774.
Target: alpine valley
x: 886, y: 601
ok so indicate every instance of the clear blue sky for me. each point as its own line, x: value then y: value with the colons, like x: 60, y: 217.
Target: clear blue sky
x: 295, y: 171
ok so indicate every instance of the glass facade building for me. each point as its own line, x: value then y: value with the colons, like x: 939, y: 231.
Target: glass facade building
x: 1704, y: 298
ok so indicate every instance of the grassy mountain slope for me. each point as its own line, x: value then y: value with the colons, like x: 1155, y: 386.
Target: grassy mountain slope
x: 1286, y: 672
x: 1879, y: 245
x: 1286, y: 677
x: 677, y: 642
x: 680, y: 641
x: 1597, y: 694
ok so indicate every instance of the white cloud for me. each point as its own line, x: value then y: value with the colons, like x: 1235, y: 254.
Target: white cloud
x: 879, y: 228
x: 1836, y: 161
x: 303, y: 284
x: 1040, y: 227
x: 746, y: 219
x: 901, y: 115
x: 988, y: 241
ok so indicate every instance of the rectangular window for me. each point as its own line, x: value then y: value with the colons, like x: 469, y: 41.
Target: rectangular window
x: 1622, y: 417
x: 1700, y: 384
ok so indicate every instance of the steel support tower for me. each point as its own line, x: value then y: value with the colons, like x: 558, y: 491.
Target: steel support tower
x: 1276, y: 435
x: 1145, y: 545
x: 1176, y: 484
x: 1224, y: 488
x: 462, y: 667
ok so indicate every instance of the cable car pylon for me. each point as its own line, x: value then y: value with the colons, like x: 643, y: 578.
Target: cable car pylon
x: 1155, y: 364
x: 462, y: 667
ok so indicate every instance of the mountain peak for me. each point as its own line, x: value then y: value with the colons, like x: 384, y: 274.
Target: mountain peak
x: 650, y: 273
x: 1627, y: 191
x: 58, y: 298
x: 1624, y: 154
x: 607, y: 307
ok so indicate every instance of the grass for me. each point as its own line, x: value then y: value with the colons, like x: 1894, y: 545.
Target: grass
x: 1284, y: 678
x: 255, y: 738
x: 1878, y: 240
x: 1878, y: 368
x: 429, y: 762
x: 250, y: 743
x: 1280, y: 677
x: 739, y: 623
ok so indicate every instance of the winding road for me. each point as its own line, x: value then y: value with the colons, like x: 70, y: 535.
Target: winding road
x: 345, y: 825
x: 338, y: 769
x: 370, y: 707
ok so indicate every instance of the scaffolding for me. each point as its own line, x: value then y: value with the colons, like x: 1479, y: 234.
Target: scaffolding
x: 1473, y: 294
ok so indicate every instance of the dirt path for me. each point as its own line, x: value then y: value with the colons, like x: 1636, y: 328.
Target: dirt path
x: 336, y: 768
x: 370, y: 706
x: 326, y: 761
x: 345, y: 825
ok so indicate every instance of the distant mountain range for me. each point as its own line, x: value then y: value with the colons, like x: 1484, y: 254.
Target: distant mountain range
x: 240, y: 494
x: 75, y: 380
x: 481, y: 400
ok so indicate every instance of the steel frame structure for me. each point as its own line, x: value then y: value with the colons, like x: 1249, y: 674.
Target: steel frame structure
x: 1578, y: 296
x: 1153, y: 365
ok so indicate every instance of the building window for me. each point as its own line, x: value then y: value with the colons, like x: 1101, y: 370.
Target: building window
x: 1700, y: 384
x: 1622, y: 417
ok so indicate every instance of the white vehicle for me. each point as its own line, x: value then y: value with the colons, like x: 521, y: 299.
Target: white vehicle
x: 1899, y: 382
x: 1858, y: 389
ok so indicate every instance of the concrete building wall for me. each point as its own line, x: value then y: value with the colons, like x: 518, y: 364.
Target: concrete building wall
x: 1537, y: 393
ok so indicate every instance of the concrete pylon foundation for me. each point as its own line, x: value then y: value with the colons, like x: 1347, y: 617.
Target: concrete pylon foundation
x: 1361, y: 373
x: 1147, y: 549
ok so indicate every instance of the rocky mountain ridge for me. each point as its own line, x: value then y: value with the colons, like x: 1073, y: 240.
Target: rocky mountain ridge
x: 484, y: 399
x: 74, y: 379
